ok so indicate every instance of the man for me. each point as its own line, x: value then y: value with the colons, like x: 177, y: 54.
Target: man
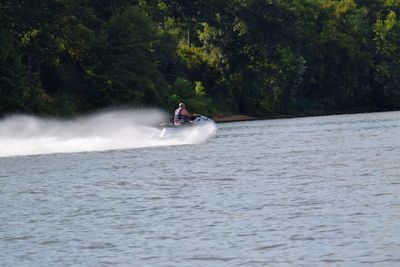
x: 181, y: 115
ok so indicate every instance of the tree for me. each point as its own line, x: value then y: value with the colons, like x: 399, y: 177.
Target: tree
x: 17, y: 93
x: 123, y: 62
x: 336, y: 50
x: 386, y: 37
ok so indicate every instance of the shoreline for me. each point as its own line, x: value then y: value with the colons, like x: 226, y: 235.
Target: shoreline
x: 240, y: 117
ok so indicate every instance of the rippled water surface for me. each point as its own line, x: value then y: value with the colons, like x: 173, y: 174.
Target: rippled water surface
x: 321, y: 191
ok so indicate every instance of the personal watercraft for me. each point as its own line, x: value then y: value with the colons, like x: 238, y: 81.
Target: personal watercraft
x: 177, y: 131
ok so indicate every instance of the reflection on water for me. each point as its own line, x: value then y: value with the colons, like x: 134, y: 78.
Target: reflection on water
x: 312, y: 191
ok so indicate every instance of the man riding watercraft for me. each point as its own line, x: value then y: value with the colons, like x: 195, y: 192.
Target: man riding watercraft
x: 187, y: 124
x: 181, y: 115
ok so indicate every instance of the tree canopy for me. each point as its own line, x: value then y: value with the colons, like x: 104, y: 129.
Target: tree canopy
x: 255, y: 57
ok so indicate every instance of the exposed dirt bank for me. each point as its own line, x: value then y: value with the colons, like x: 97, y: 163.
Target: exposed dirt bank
x: 232, y: 118
x: 238, y: 117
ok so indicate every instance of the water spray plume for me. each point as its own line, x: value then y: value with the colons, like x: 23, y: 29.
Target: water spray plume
x: 119, y: 129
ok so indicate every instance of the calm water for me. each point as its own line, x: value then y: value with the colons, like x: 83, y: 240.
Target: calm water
x: 321, y: 191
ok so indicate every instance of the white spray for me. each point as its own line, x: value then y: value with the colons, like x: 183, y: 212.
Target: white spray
x: 121, y: 129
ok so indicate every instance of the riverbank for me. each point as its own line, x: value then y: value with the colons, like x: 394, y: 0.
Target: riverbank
x: 239, y: 117
x: 233, y: 118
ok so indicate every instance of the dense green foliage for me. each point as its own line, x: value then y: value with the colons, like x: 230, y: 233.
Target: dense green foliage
x: 256, y: 57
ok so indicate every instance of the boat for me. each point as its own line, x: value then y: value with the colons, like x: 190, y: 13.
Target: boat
x: 171, y: 131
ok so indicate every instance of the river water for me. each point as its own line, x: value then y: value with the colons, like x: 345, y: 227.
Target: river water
x: 318, y: 191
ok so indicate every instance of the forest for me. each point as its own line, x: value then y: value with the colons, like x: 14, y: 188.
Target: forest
x: 254, y: 57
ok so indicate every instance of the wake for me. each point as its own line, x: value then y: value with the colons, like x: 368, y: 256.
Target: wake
x: 111, y: 130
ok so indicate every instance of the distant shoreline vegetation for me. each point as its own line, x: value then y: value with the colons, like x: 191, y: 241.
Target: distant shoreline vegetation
x: 254, y: 57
